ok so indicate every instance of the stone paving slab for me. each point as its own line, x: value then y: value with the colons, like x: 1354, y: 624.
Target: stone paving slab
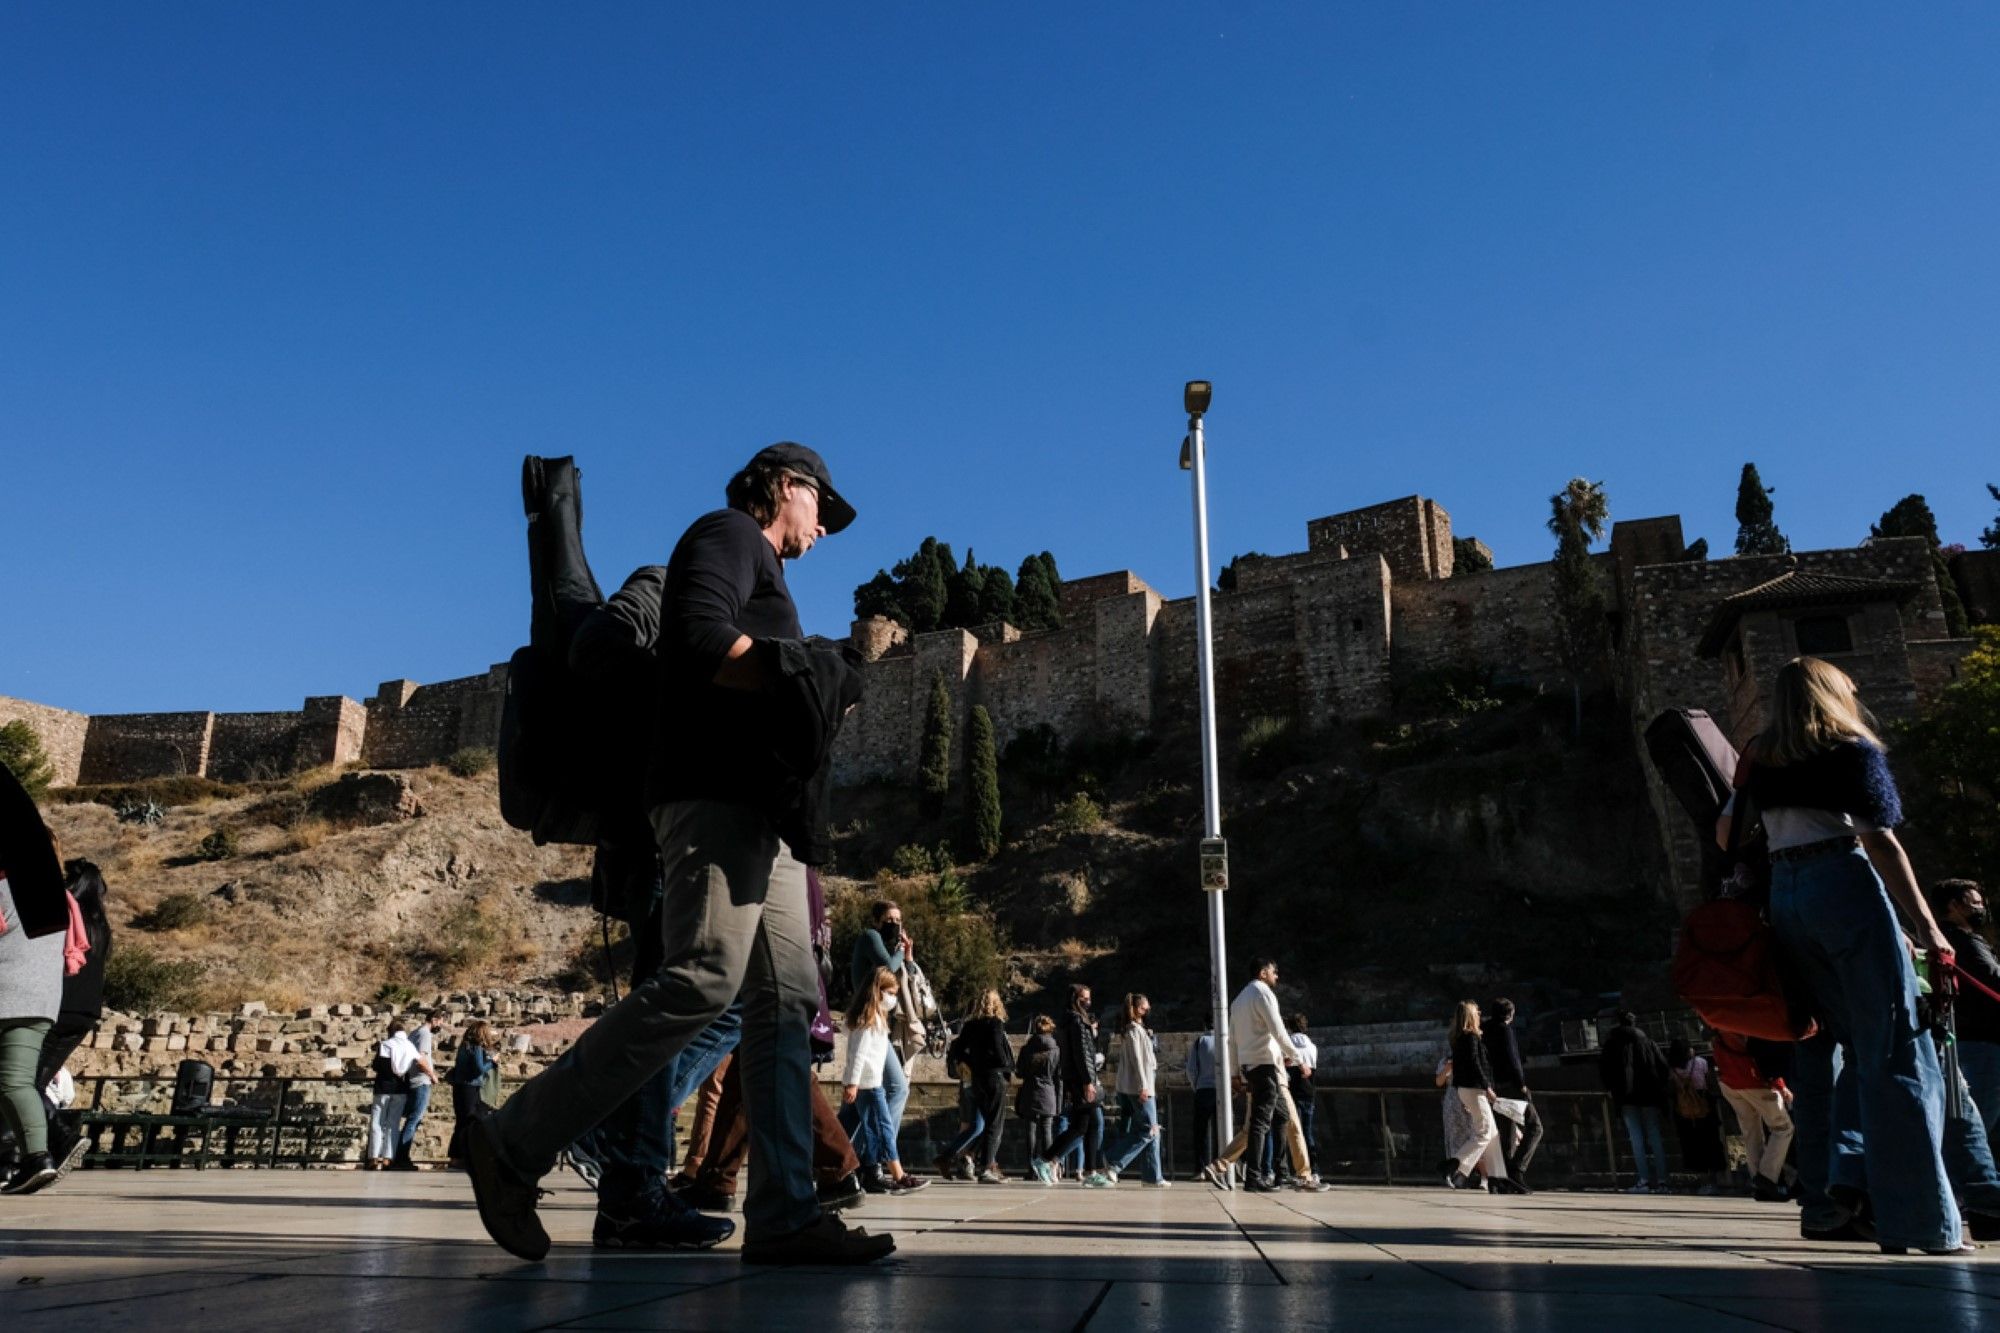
x: 317, y: 1252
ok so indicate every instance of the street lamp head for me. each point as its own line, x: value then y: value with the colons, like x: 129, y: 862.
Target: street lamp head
x: 1196, y: 396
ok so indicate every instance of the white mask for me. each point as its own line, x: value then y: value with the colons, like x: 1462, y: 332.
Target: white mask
x: 888, y: 1004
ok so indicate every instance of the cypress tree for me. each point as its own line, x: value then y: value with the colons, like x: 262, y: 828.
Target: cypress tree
x: 921, y: 586
x: 996, y: 594
x: 934, y: 756
x: 1577, y: 516
x: 1756, y: 531
x: 1911, y: 516
x: 1990, y: 538
x: 962, y: 590
x: 982, y: 787
x: 1036, y: 605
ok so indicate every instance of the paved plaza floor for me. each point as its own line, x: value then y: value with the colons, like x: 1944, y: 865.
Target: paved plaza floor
x: 308, y: 1252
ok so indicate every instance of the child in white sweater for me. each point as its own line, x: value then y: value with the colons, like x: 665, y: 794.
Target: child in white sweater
x: 865, y: 1112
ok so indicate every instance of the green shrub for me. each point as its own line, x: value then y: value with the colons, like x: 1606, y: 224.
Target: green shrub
x: 175, y: 911
x: 167, y: 792
x: 137, y: 980
x: 962, y: 952
x: 1269, y: 746
x: 21, y: 752
x: 471, y: 761
x: 911, y: 861
x: 396, y: 995
x: 217, y: 846
x: 1079, y: 814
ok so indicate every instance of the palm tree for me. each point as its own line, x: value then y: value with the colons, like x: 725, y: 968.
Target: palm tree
x: 1577, y: 514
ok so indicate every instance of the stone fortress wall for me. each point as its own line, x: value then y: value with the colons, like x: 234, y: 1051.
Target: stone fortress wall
x: 1315, y: 636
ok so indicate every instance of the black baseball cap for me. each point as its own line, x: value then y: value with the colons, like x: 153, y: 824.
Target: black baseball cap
x: 834, y: 512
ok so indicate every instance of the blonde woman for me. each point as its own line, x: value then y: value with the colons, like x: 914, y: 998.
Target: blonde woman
x: 1818, y: 778
x: 1472, y: 1080
x: 982, y: 1048
x: 865, y: 1112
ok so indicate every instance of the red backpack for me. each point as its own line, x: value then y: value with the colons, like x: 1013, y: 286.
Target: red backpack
x: 1726, y: 967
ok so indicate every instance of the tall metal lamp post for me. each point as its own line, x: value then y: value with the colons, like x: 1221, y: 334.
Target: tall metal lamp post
x: 1214, y: 851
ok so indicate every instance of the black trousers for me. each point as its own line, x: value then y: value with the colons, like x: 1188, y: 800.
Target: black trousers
x: 989, y: 1098
x: 68, y: 1033
x: 1518, y: 1142
x: 1205, y: 1146
x: 1086, y: 1126
x: 1267, y: 1111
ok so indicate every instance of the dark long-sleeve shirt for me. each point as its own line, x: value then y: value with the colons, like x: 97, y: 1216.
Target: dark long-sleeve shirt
x: 1978, y: 1016
x: 1504, y: 1054
x: 869, y: 954
x: 724, y: 582
x: 1634, y: 1071
x: 1079, y: 1064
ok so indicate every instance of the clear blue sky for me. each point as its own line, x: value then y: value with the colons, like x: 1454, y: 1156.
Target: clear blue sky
x: 286, y: 291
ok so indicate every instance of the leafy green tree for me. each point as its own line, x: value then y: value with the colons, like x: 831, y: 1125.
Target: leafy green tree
x: 1954, y: 749
x: 921, y: 583
x: 934, y: 755
x: 1577, y: 514
x: 1468, y: 557
x: 880, y: 596
x: 1226, y: 580
x: 1990, y: 538
x: 1911, y: 516
x: 962, y: 591
x: 22, y: 753
x: 996, y: 594
x: 1036, y: 602
x: 1756, y: 530
x: 982, y: 787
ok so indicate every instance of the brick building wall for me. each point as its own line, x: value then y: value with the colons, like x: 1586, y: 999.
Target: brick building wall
x: 60, y: 731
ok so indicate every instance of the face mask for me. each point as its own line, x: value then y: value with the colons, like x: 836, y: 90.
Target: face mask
x: 888, y: 1004
x: 892, y: 931
x: 1978, y: 919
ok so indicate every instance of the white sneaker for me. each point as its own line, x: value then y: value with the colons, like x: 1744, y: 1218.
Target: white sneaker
x: 1097, y: 1180
x: 1157, y: 1184
x: 1043, y: 1171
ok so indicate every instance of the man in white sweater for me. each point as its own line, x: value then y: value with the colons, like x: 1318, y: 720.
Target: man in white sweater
x: 1263, y: 1049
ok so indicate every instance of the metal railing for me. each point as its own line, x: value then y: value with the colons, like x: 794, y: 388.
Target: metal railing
x: 1388, y: 1136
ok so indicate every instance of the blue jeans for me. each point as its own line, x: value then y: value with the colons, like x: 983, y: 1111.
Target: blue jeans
x: 1141, y: 1141
x: 895, y: 1092
x: 874, y: 1133
x: 1642, y: 1127
x: 968, y: 1115
x: 1979, y: 1061
x: 1834, y: 921
x: 635, y: 1143
x: 414, y: 1107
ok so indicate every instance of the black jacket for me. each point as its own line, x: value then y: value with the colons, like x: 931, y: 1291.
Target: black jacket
x: 982, y: 1044
x: 1503, y: 1053
x: 1978, y: 1016
x: 1040, y: 1068
x: 1078, y: 1046
x: 29, y: 858
x: 1635, y: 1072
x: 1469, y: 1066
x: 83, y: 992
x: 816, y: 688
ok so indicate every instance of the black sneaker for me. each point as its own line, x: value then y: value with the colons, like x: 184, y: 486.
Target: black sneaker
x: 1982, y: 1226
x: 874, y: 1182
x: 828, y: 1241
x: 35, y: 1170
x: 506, y: 1202
x: 657, y: 1220
x: 707, y: 1198
x: 1260, y: 1185
x: 839, y: 1195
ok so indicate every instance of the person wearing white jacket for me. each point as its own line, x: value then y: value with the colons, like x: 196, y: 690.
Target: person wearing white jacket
x: 865, y: 1112
x: 1138, y: 1070
x: 1263, y: 1049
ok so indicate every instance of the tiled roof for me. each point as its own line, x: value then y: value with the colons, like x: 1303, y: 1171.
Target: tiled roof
x: 1797, y: 588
